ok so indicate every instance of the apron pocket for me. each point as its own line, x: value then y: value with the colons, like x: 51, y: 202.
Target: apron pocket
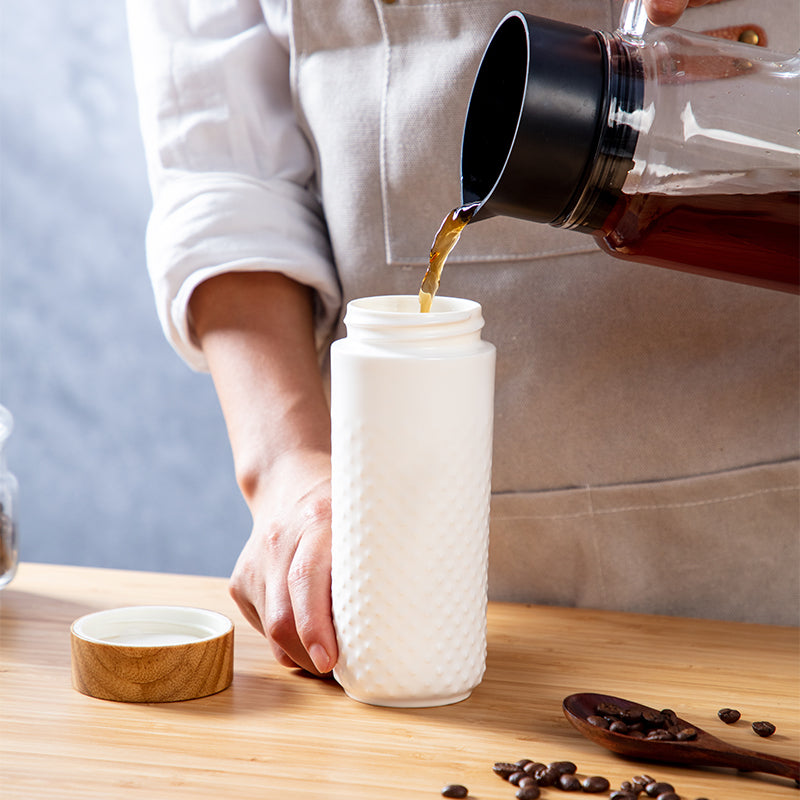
x: 433, y: 49
x: 721, y: 546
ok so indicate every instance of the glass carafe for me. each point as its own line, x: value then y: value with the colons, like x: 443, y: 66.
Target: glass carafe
x: 672, y: 148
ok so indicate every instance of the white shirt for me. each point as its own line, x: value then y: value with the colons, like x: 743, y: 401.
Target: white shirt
x: 232, y: 175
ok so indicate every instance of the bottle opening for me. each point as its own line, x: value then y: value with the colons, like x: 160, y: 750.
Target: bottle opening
x: 535, y: 114
x: 495, y: 108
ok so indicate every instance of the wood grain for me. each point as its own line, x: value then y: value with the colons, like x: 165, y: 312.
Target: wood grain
x: 278, y: 734
x: 152, y: 674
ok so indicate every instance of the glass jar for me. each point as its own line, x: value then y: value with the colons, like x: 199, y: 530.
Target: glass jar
x: 8, y: 505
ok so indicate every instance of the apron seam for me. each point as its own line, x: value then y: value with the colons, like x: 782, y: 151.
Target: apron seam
x: 598, y: 559
x: 384, y: 113
x: 649, y: 506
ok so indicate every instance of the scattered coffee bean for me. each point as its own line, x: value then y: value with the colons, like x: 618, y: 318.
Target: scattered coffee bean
x: 764, y: 728
x: 563, y: 767
x: 595, y: 784
x: 505, y: 769
x: 531, y: 776
x: 657, y: 788
x: 729, y: 715
x: 455, y: 790
x: 532, y: 766
x: 567, y: 782
x: 546, y: 776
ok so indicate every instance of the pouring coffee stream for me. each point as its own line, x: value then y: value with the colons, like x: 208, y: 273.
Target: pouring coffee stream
x: 446, y: 239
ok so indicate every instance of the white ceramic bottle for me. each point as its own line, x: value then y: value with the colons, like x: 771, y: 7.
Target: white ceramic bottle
x: 412, y: 399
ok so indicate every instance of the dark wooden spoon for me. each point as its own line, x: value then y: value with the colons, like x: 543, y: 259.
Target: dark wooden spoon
x: 703, y: 750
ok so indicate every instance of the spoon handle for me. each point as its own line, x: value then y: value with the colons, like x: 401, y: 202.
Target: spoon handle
x: 752, y: 761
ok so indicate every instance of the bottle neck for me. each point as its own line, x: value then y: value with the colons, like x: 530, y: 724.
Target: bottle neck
x: 618, y: 133
x: 396, y: 320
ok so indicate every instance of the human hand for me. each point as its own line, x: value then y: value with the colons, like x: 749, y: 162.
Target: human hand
x: 667, y: 12
x: 282, y: 579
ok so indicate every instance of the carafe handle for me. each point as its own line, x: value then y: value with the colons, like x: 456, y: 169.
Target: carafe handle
x: 632, y: 21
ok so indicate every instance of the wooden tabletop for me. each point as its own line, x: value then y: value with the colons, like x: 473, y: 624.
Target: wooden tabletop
x: 276, y: 733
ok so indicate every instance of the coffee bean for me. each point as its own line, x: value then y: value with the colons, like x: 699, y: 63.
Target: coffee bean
x: 455, y: 790
x: 659, y: 735
x: 563, y: 767
x: 764, y: 728
x: 622, y: 796
x: 686, y: 734
x: 505, y: 769
x: 531, y: 767
x: 528, y: 793
x: 568, y: 783
x: 618, y: 726
x: 527, y: 781
x: 595, y: 783
x: 729, y: 715
x: 515, y: 777
x: 656, y: 788
x: 612, y: 709
x: 670, y: 717
x: 597, y: 721
x: 641, y: 781
x: 546, y: 776
x: 523, y: 762
x: 668, y: 796
x: 653, y: 717
x: 632, y: 714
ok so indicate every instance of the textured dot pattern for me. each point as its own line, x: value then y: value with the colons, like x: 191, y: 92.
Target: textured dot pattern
x: 410, y: 548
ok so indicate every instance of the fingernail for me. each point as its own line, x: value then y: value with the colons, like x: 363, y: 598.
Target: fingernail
x: 320, y: 657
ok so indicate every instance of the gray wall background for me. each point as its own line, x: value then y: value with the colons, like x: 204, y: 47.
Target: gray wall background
x: 120, y: 450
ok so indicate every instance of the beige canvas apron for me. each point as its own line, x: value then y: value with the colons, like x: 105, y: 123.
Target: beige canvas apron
x: 646, y: 431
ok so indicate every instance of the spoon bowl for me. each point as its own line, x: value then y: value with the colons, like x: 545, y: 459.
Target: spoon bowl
x: 703, y: 749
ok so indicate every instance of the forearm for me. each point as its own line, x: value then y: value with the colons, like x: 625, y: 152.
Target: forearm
x: 257, y: 332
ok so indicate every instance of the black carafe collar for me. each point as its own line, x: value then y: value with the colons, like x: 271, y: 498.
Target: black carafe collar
x: 537, y: 121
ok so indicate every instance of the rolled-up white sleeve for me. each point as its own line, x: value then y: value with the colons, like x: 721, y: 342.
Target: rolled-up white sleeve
x: 231, y: 172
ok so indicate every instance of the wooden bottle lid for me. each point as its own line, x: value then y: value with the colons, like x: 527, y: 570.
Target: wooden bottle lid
x: 152, y: 654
